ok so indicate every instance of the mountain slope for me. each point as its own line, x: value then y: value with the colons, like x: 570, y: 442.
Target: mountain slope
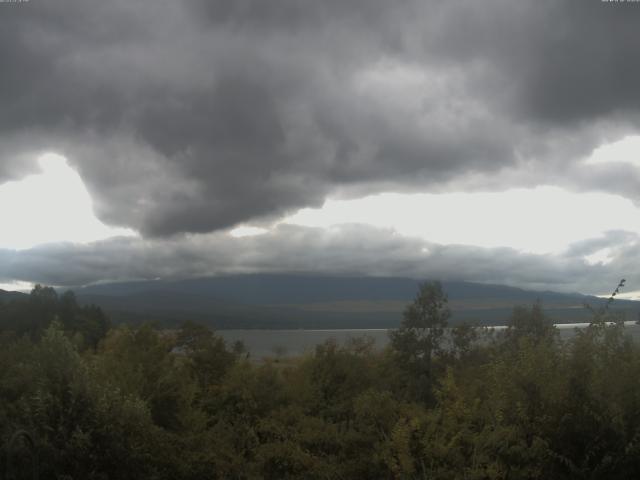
x: 295, y: 301
x: 6, y: 296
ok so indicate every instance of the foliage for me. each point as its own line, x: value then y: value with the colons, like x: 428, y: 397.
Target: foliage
x: 529, y: 323
x: 86, y: 324
x: 419, y: 338
x: 440, y: 404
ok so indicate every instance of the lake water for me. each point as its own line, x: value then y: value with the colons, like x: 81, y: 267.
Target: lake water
x: 270, y: 343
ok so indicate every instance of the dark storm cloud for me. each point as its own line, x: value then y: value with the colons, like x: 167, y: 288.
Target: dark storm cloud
x: 346, y: 250
x: 560, y: 61
x: 193, y: 115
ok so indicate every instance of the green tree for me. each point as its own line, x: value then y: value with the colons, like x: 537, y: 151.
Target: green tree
x: 82, y: 428
x: 529, y: 322
x: 419, y: 338
x: 140, y: 363
x: 207, y: 353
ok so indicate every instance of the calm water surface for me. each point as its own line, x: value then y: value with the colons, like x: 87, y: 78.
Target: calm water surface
x: 269, y: 343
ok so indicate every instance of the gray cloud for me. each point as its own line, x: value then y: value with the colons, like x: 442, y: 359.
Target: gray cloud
x: 345, y: 250
x: 192, y: 116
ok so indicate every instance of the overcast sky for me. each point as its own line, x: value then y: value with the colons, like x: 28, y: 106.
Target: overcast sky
x: 493, y: 141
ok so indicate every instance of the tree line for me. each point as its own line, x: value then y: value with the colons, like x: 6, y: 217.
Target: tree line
x: 80, y: 399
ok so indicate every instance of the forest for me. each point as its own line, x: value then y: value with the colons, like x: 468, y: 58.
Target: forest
x: 83, y: 399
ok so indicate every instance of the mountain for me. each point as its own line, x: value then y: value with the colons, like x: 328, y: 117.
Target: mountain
x: 6, y: 296
x: 298, y: 301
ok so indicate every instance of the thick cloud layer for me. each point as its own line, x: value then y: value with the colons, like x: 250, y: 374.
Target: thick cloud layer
x: 193, y: 115
x: 345, y: 250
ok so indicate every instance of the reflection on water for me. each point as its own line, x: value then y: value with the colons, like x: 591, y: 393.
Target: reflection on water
x: 272, y: 343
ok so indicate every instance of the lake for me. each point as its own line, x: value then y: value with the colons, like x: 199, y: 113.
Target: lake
x: 270, y: 343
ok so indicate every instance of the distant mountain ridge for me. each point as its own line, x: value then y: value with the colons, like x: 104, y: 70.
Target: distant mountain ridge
x: 299, y: 301
x: 6, y: 296
x: 278, y: 289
